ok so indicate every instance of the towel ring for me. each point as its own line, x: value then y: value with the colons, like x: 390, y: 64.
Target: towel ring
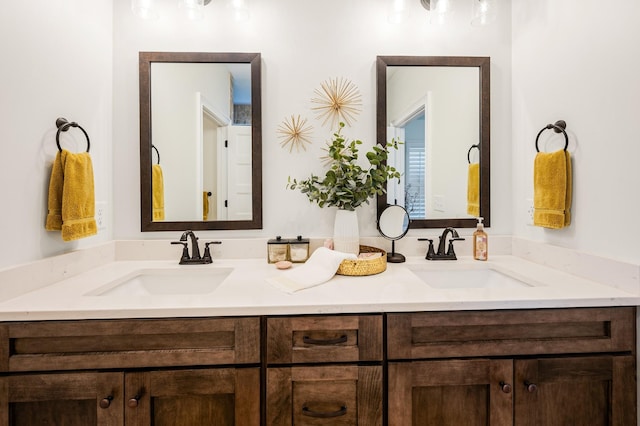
x: 469, y: 152
x: 557, y: 127
x: 157, y: 153
x: 63, y: 125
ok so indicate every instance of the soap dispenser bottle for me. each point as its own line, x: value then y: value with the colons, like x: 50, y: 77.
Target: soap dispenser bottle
x: 480, y: 242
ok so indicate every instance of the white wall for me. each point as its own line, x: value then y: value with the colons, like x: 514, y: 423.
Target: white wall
x: 579, y: 61
x: 56, y: 62
x: 571, y: 60
x: 303, y: 44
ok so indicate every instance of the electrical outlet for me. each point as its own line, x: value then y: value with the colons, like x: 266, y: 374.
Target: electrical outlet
x: 101, y: 214
x: 438, y: 203
x: 529, y: 205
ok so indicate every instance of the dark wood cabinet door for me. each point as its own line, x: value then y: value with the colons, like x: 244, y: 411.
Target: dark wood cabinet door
x: 592, y: 390
x: 216, y: 396
x: 324, y: 395
x: 451, y: 393
x: 70, y: 399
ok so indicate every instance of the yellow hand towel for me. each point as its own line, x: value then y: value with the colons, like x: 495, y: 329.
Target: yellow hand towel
x: 552, y: 189
x: 473, y: 190
x: 205, y: 205
x: 78, y: 196
x: 71, y: 200
x: 54, y: 216
x: 157, y: 188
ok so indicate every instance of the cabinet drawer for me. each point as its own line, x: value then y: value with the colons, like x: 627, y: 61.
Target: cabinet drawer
x: 96, y: 344
x: 509, y: 333
x: 292, y: 340
x: 324, y: 395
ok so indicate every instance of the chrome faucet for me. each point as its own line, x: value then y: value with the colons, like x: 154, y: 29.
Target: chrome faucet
x: 450, y: 254
x: 194, y: 258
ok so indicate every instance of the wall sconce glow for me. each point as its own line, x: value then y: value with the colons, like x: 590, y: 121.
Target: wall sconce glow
x: 192, y: 8
x: 240, y: 10
x: 396, y: 11
x: 484, y: 12
x: 145, y: 9
x: 439, y: 10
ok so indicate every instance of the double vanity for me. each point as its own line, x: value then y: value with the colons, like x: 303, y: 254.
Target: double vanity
x: 136, y: 341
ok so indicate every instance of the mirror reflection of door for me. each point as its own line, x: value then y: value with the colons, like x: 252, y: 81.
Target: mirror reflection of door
x: 214, y: 164
x: 239, y: 181
x: 226, y: 166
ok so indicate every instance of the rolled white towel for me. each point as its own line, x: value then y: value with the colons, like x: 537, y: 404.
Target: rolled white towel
x: 319, y: 268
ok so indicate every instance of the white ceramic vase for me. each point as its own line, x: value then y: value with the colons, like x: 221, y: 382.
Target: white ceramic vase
x: 346, y: 236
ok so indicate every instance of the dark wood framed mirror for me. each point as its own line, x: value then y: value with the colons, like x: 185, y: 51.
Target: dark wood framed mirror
x: 439, y: 107
x: 200, y: 141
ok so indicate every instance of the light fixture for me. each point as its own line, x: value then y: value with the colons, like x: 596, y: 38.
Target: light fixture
x: 439, y: 10
x: 395, y: 14
x: 145, y: 9
x: 240, y: 10
x: 484, y: 12
x: 193, y: 9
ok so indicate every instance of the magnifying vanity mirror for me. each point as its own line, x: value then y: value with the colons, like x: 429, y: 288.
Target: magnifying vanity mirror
x: 438, y: 107
x: 201, y: 114
x: 393, y: 224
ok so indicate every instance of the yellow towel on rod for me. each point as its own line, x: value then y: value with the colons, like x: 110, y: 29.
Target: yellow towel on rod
x: 205, y: 205
x: 157, y: 189
x: 552, y: 189
x: 71, y: 196
x: 54, y: 203
x: 473, y: 190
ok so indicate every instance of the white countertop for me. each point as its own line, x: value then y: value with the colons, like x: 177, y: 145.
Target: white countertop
x: 246, y: 292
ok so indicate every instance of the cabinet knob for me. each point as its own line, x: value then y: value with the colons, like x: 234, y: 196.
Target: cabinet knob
x: 505, y: 387
x: 531, y: 387
x: 324, y: 414
x: 133, y: 402
x: 311, y: 341
x: 106, y: 401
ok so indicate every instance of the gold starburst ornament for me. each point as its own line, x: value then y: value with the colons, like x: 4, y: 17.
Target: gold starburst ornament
x: 295, y: 132
x: 338, y: 100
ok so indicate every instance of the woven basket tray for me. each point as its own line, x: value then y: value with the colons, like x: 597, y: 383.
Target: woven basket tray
x: 362, y: 267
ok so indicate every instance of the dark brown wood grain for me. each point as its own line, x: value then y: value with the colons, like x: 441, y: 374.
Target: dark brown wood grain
x: 359, y: 336
x: 73, y: 345
x: 352, y: 393
x: 509, y: 333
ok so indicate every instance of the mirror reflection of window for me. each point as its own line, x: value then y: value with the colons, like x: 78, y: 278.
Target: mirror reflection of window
x: 415, y: 166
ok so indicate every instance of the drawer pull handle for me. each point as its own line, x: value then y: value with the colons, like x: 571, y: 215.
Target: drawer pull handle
x: 505, y: 387
x: 324, y: 414
x: 106, y: 402
x: 133, y: 402
x: 531, y: 387
x: 311, y: 341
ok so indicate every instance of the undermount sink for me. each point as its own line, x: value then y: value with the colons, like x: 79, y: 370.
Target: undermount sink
x: 153, y: 282
x: 468, y: 278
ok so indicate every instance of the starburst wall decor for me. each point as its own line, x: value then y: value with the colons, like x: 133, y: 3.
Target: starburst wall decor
x: 295, y: 132
x: 338, y: 100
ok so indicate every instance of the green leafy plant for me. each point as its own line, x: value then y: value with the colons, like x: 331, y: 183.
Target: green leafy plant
x: 346, y: 184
